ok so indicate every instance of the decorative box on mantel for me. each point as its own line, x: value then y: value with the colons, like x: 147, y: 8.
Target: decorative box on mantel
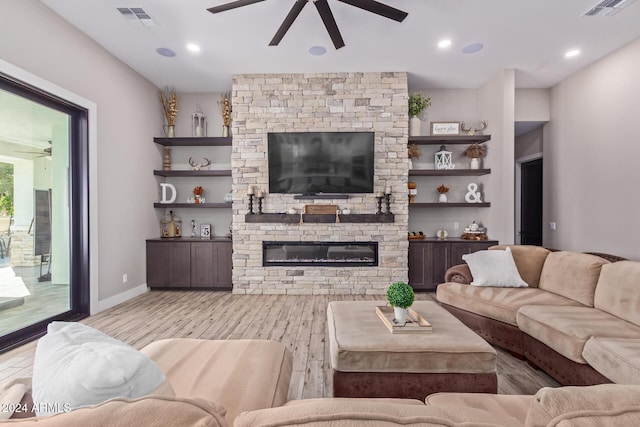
x: 319, y: 218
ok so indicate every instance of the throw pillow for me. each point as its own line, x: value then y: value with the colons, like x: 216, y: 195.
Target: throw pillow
x: 494, y: 268
x: 76, y: 365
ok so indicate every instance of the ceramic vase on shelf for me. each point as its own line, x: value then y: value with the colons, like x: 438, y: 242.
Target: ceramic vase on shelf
x: 443, y: 198
x: 170, y: 131
x: 475, y: 163
x: 225, y: 131
x: 400, y: 315
x: 415, y: 126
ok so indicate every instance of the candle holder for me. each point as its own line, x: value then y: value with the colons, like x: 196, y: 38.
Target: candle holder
x: 250, y: 204
x: 379, y: 203
x: 260, y: 205
x: 388, y: 201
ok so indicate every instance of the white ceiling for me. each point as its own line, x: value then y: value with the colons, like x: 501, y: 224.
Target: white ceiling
x: 530, y: 36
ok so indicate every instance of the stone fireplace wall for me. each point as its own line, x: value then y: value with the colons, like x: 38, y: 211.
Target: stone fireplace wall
x: 327, y: 102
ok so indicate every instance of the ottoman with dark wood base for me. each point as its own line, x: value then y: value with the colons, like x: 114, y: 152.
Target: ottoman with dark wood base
x: 369, y: 361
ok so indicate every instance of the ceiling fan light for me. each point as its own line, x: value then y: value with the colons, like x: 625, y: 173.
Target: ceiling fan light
x: 443, y: 44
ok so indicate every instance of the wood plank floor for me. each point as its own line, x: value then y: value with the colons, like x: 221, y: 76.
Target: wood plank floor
x: 297, y: 321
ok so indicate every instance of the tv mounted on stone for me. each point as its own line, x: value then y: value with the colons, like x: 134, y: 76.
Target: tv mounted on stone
x: 313, y: 163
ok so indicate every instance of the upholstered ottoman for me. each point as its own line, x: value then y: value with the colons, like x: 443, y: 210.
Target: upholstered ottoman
x: 369, y: 361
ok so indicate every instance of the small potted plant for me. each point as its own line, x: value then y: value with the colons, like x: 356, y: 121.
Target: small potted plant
x: 400, y: 296
x: 417, y: 104
x: 443, y: 190
x: 475, y: 152
x: 413, y: 151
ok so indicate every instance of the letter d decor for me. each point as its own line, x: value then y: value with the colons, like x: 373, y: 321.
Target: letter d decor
x: 164, y: 186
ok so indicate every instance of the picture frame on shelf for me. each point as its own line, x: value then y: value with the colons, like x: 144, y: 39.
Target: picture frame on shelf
x: 445, y: 128
x: 205, y: 231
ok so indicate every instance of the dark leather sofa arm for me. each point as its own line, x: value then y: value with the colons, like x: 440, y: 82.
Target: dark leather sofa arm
x: 459, y: 274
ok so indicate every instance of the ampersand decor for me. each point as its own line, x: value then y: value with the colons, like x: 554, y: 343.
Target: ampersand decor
x: 473, y: 196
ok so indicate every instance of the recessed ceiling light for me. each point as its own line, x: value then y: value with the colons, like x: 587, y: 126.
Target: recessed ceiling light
x: 472, y: 48
x: 572, y: 53
x: 443, y: 44
x: 163, y: 51
x: 317, y: 50
x: 192, y: 47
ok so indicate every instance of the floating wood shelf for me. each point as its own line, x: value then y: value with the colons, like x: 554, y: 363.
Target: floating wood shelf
x: 450, y: 205
x: 194, y: 141
x: 449, y: 172
x: 192, y: 205
x: 448, y: 139
x: 180, y: 173
x: 318, y: 218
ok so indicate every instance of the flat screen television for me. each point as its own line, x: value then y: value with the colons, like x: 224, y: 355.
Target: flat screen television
x: 321, y: 162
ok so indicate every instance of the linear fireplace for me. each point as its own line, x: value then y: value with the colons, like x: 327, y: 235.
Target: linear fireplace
x: 326, y: 254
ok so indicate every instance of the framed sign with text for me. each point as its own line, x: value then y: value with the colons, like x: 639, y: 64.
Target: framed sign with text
x: 445, y: 128
x: 205, y: 231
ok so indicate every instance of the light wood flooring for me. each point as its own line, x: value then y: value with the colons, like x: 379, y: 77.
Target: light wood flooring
x: 297, y: 321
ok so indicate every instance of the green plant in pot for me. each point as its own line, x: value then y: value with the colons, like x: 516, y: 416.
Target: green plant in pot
x: 417, y: 104
x: 400, y: 296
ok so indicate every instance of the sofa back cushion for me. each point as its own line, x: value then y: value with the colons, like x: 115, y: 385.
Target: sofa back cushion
x: 572, y: 275
x: 369, y: 412
x: 529, y: 261
x: 150, y: 411
x: 599, y: 405
x: 618, y: 290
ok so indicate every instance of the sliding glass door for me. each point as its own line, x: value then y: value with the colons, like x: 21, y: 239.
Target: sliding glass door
x: 43, y: 212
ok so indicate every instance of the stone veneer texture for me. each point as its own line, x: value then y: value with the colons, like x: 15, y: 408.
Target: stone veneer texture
x: 327, y: 102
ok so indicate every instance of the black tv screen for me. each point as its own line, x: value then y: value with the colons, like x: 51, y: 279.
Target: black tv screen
x: 321, y: 162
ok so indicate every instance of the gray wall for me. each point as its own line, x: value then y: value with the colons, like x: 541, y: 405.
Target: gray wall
x: 129, y: 116
x: 591, y: 149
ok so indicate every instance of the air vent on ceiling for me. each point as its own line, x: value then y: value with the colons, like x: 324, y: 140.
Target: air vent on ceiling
x: 607, y: 7
x: 137, y: 16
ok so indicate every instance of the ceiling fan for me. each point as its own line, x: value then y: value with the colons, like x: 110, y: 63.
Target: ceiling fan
x: 42, y: 153
x: 322, y: 6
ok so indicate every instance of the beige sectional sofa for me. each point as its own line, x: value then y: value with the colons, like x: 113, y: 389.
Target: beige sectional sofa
x: 579, y: 318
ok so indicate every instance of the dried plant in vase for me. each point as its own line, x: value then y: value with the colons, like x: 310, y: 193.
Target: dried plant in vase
x: 225, y: 109
x: 475, y: 150
x: 169, y: 100
x: 414, y: 151
x: 443, y: 189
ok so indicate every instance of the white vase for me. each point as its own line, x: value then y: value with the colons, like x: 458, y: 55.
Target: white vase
x: 475, y: 163
x: 400, y: 315
x: 415, y: 126
x: 443, y: 198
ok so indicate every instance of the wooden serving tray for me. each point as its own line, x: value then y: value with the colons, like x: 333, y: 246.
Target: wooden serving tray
x: 320, y: 209
x: 416, y: 324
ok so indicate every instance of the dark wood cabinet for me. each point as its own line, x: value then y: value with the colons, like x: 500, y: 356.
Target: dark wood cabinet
x: 430, y: 258
x: 185, y: 263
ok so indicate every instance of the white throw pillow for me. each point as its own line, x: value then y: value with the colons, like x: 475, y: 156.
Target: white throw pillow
x: 494, y: 268
x: 76, y: 365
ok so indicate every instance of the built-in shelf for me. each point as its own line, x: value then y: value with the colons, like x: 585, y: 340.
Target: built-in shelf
x: 179, y: 173
x: 318, y: 218
x: 192, y: 205
x: 449, y: 172
x: 448, y: 139
x: 449, y: 205
x: 194, y: 141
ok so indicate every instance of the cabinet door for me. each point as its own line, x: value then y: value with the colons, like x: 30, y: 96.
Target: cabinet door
x: 202, y: 264
x: 222, y: 260
x: 168, y: 264
x: 440, y: 255
x: 419, y: 263
x: 179, y: 264
x: 157, y: 264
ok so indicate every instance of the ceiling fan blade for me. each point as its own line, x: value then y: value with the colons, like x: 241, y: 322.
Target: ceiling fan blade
x: 288, y: 21
x: 232, y: 5
x: 329, y: 23
x: 378, y: 8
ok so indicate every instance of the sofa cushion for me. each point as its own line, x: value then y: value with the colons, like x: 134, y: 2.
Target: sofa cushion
x: 572, y: 275
x: 494, y: 268
x: 11, y: 394
x: 529, y: 261
x: 241, y: 375
x: 150, y: 411
x: 567, y: 329
x: 599, y: 405
x: 369, y: 412
x: 76, y: 365
x: 500, y: 304
x: 616, y: 358
x: 514, y: 406
x: 618, y: 290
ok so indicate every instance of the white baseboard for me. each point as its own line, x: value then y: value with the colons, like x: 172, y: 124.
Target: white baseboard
x: 120, y: 298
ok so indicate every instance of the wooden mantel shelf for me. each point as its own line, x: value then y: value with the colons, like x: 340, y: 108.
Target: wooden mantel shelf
x: 318, y: 218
